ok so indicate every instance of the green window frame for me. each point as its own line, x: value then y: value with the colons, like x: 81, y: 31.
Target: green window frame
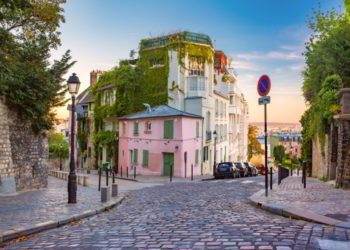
x: 136, y: 128
x: 197, y: 156
x: 135, y: 156
x: 197, y: 129
x: 145, y: 158
x: 169, y: 129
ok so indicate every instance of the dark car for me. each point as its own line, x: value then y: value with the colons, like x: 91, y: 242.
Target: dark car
x: 226, y: 169
x: 252, y: 171
x: 243, y: 171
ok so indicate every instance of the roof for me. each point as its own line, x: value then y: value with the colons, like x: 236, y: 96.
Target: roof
x: 85, y: 97
x: 159, y: 111
x: 108, y: 86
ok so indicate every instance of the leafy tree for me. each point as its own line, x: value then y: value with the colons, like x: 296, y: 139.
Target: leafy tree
x: 254, y: 146
x: 279, y: 153
x: 30, y: 85
x: 58, y: 147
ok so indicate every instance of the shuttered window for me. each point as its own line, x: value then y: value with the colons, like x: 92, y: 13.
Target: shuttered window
x: 197, y: 129
x: 168, y: 129
x: 145, y: 158
x: 197, y: 156
x: 136, y: 128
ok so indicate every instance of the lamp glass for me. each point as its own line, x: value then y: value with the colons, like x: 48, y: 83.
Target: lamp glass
x: 73, y: 84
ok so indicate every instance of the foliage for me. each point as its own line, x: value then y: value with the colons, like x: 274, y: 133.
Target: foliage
x: 58, y: 147
x: 254, y: 147
x: 327, y: 58
x: 107, y: 139
x: 30, y: 85
x: 279, y: 153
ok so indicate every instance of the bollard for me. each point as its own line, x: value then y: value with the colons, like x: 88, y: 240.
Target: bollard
x: 171, y: 173
x: 134, y: 172
x: 304, y: 176
x: 270, y: 178
x: 192, y: 172
x: 127, y: 172
x: 114, y: 190
x: 121, y: 171
x: 202, y: 168
x: 99, y: 179
x: 113, y: 176
x: 107, y: 177
x: 105, y: 194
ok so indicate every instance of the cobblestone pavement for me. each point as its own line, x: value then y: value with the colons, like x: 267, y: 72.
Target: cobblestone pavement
x: 318, y: 197
x: 202, y: 215
x: 28, y: 208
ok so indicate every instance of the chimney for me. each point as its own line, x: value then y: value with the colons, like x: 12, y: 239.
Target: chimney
x: 94, y: 76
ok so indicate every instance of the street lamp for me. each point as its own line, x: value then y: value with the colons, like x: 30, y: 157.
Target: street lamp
x: 73, y: 88
x: 215, y: 138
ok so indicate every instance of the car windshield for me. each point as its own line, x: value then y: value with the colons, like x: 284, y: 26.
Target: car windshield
x: 246, y: 164
x: 224, y: 165
x: 238, y: 164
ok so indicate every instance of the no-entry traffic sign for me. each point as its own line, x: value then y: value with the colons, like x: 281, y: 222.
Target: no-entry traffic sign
x: 264, y: 85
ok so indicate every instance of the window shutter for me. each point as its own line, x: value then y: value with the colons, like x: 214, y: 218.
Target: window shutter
x: 136, y: 128
x: 135, y: 156
x: 197, y: 129
x: 197, y: 156
x: 168, y: 129
x: 145, y: 158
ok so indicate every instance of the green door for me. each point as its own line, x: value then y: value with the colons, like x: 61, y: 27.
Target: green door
x: 168, y: 161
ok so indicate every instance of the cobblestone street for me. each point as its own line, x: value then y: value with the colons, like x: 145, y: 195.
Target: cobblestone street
x: 204, y: 215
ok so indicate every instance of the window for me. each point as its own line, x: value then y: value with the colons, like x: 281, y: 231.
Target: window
x: 231, y: 99
x: 124, y: 128
x: 136, y: 128
x: 89, y: 152
x: 168, y: 129
x: 197, y: 129
x: 216, y: 107
x: 157, y: 62
x: 208, y: 121
x: 135, y: 156
x: 196, y: 66
x: 148, y: 127
x: 145, y: 158
x: 205, y: 153
x: 197, y: 157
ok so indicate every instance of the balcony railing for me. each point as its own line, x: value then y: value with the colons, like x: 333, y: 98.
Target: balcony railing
x: 197, y: 86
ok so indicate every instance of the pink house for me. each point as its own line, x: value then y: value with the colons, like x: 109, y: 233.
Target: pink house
x: 161, y: 139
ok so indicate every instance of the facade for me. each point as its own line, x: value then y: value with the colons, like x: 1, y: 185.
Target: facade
x: 159, y: 140
x: 198, y: 80
x: 209, y: 89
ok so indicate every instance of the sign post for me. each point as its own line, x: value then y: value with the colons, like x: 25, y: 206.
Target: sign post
x: 263, y: 87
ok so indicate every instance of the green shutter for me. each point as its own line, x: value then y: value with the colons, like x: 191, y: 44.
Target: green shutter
x: 197, y: 156
x: 168, y: 129
x: 135, y: 156
x: 145, y: 158
x: 136, y: 128
x: 197, y: 129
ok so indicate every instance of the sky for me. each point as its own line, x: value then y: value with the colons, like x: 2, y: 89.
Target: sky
x: 261, y: 36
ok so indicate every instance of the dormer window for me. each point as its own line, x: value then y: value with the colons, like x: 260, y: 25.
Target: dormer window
x: 148, y: 127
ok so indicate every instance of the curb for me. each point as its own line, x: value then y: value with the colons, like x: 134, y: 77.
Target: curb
x: 39, y: 227
x: 296, y: 213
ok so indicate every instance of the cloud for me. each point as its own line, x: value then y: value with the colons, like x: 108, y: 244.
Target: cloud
x: 271, y: 55
x: 297, y: 67
x: 240, y: 64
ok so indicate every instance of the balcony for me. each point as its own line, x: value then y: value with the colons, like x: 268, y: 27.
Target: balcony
x: 208, y: 135
x: 234, y: 110
x: 196, y: 86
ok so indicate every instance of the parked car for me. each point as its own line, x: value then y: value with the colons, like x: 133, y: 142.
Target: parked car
x: 242, y: 169
x: 252, y: 171
x: 226, y: 169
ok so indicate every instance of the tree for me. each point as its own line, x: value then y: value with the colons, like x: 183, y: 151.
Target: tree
x: 30, y: 84
x: 58, y: 147
x: 254, y: 146
x: 279, y: 153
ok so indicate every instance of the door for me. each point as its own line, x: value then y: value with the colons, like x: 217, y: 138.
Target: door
x: 168, y: 163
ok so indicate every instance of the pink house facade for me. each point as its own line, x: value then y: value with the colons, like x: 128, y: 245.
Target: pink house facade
x: 159, y: 140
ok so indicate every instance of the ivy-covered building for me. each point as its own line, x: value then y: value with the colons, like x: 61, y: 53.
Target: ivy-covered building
x: 185, y: 72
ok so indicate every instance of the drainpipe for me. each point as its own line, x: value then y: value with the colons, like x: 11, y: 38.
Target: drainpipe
x: 202, y: 154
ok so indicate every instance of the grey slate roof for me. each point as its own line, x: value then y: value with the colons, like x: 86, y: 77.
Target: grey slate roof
x: 159, y: 111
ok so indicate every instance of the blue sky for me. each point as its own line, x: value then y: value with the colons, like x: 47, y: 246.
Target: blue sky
x: 262, y: 37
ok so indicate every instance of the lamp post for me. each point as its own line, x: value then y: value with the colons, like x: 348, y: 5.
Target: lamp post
x: 215, y: 137
x: 61, y: 147
x: 73, y: 88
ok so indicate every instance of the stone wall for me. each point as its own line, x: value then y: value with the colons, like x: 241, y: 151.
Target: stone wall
x: 23, y: 154
x: 319, y: 159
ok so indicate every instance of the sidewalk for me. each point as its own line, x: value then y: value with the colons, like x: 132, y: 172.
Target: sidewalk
x: 34, y: 211
x: 319, y: 202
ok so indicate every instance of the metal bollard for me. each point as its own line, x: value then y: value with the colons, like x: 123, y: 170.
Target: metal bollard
x: 113, y: 176
x: 202, y: 168
x: 304, y: 177
x: 171, y: 173
x: 134, y: 172
x: 127, y: 172
x: 121, y: 171
x: 99, y: 179
x: 270, y: 178
x: 191, y: 172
